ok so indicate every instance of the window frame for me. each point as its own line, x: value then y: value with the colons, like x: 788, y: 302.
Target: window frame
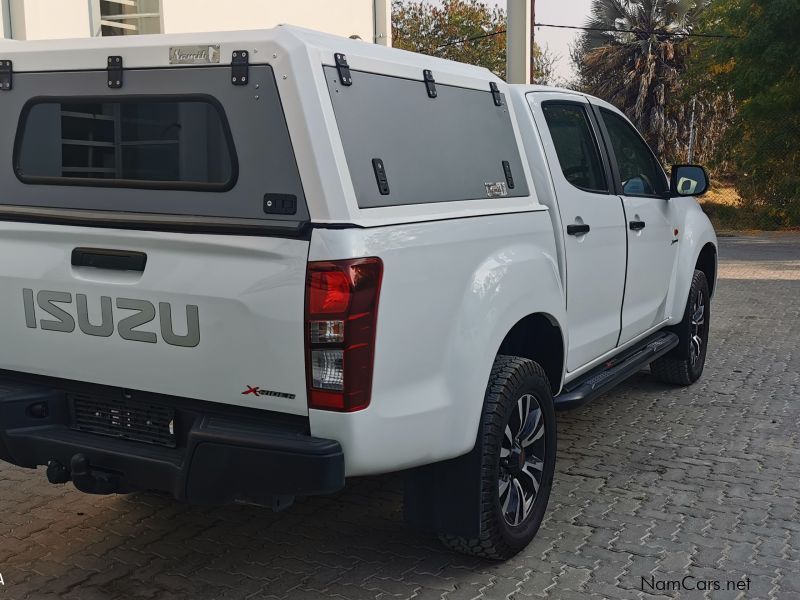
x: 99, y: 20
x: 599, y: 110
x: 602, y: 151
x: 127, y: 183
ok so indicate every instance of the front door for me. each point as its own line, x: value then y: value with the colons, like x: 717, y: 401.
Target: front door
x: 652, y: 238
x: 592, y: 220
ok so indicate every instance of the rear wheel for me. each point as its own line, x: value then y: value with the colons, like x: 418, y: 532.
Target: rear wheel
x: 684, y: 365
x: 518, y: 441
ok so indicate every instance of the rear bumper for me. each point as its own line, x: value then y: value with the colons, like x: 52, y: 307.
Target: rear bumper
x: 220, y: 456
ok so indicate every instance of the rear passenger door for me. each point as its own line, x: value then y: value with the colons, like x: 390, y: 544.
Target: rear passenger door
x: 652, y: 246
x: 592, y: 220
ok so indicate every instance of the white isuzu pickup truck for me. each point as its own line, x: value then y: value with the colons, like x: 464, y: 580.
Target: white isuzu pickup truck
x: 242, y: 267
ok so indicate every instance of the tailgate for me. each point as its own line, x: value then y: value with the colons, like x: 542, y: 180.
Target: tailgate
x: 209, y: 317
x: 161, y: 162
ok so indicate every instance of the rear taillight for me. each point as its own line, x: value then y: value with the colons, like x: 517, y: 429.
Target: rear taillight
x: 341, y: 316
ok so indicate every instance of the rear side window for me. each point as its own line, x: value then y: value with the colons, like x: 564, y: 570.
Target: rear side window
x: 181, y: 148
x: 153, y: 142
x: 404, y: 147
x: 576, y: 146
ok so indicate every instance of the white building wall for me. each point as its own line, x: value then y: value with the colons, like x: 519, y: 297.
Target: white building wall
x: 341, y: 17
x: 49, y: 19
x: 52, y: 19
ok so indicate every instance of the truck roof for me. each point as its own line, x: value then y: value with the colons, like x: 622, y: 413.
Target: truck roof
x: 266, y: 45
x: 152, y: 51
x: 523, y: 89
x: 543, y: 88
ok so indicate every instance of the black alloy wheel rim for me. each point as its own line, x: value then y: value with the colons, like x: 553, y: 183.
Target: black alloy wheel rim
x: 522, y: 456
x: 697, y: 333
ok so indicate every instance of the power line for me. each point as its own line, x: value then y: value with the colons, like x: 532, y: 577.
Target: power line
x: 654, y: 32
x: 600, y: 29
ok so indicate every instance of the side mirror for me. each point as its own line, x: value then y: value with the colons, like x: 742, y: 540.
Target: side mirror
x: 688, y: 180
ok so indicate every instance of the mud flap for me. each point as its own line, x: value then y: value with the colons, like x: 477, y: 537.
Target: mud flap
x: 445, y: 497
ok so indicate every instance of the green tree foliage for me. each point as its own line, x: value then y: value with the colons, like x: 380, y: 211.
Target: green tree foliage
x: 635, y: 60
x: 761, y: 65
x: 438, y: 29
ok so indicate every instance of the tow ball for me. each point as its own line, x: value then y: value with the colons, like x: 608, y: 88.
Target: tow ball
x: 86, y: 479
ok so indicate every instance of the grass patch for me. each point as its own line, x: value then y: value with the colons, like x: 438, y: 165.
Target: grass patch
x: 765, y: 218
x: 728, y: 211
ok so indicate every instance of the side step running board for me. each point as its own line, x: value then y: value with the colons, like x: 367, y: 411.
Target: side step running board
x: 614, y: 371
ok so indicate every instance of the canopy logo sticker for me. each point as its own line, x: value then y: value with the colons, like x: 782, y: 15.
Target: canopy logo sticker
x: 194, y: 55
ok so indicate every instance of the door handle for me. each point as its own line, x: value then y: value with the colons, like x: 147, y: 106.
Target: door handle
x: 637, y: 225
x: 113, y: 260
x: 581, y: 229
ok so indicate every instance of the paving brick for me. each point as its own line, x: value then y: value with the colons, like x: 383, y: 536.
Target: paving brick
x: 650, y: 478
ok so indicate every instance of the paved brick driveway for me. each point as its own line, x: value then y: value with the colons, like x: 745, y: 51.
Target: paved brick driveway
x: 650, y: 480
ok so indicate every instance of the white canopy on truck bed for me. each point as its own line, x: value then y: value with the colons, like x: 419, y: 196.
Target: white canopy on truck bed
x: 448, y: 147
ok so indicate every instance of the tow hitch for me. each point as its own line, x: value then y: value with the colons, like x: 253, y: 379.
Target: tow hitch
x: 85, y: 479
x: 213, y: 459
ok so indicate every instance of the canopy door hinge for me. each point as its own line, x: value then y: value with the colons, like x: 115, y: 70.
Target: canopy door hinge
x: 430, y: 83
x: 240, y: 67
x: 496, y: 95
x: 115, y: 72
x: 6, y: 75
x: 343, y: 69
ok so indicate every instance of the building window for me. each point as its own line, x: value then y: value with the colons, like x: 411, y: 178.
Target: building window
x: 129, y: 17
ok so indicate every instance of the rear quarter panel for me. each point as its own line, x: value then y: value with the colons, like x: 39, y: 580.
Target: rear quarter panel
x: 451, y: 291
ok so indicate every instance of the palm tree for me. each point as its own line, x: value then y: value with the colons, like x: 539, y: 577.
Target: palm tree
x: 634, y: 56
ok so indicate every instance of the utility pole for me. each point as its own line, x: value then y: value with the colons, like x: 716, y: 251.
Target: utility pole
x: 518, y: 41
x: 5, y: 20
x: 382, y: 13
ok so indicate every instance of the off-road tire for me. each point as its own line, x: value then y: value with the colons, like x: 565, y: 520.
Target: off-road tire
x: 511, y: 379
x: 678, y: 367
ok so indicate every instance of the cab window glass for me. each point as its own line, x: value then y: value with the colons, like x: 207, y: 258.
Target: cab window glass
x: 576, y: 146
x: 639, y: 171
